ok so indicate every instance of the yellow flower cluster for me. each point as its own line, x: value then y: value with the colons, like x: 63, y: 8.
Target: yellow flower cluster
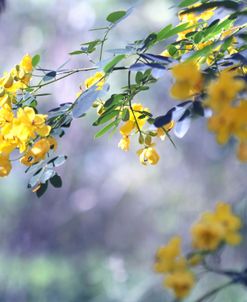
x: 213, y: 230
x: 176, y: 268
x: 229, y: 114
x: 137, y: 120
x: 17, y: 79
x: 193, y: 19
x: 216, y: 228
x: 189, y: 80
x: 18, y: 130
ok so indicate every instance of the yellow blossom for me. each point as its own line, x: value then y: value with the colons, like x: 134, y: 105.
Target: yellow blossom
x: 180, y: 283
x: 242, y: 151
x: 207, y: 236
x: 124, y: 143
x: 222, y: 92
x: 36, y: 153
x: 230, y: 223
x: 5, y: 165
x: 134, y: 119
x: 167, y: 256
x: 230, y: 121
x: 148, y: 155
x: 188, y: 80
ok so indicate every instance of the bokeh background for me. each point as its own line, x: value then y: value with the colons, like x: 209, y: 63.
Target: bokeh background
x: 95, y: 239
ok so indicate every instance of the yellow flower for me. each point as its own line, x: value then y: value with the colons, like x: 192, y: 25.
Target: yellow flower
x: 134, y: 118
x: 222, y: 92
x: 26, y: 63
x: 188, y: 80
x: 242, y: 151
x: 230, y: 121
x: 124, y: 143
x: 98, y: 78
x: 180, y: 283
x: 230, y: 223
x: 36, y: 153
x: 207, y: 236
x: 148, y: 155
x: 192, y: 19
x: 167, y: 256
x: 126, y: 128
x: 5, y: 165
x: 27, y: 125
x: 6, y: 115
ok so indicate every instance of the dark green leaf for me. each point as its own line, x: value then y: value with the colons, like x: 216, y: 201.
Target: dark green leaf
x: 42, y: 189
x: 56, y: 181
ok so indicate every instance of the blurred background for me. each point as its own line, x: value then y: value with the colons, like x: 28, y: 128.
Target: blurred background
x: 95, y: 239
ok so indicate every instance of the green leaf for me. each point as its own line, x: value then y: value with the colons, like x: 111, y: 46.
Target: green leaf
x: 125, y: 115
x: 116, y: 16
x: 162, y: 34
x: 176, y: 30
x: 35, y: 60
x: 106, y: 117
x: 76, y: 52
x: 226, y: 4
x: 202, y: 52
x: 42, y: 189
x: 108, y: 67
x: 106, y: 129
x: 187, y: 3
x: 139, y: 77
x: 198, y: 37
x: 172, y: 50
x: 56, y: 181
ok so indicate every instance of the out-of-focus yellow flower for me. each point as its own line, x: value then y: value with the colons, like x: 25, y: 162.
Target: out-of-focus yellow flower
x: 180, y: 283
x: 207, y: 236
x: 98, y: 78
x: 5, y: 165
x: 148, y: 155
x: 222, y: 92
x: 242, y: 151
x: 188, y: 80
x: 214, y: 228
x: 167, y: 256
x: 230, y: 121
x: 192, y: 19
x: 230, y: 222
x: 124, y: 143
